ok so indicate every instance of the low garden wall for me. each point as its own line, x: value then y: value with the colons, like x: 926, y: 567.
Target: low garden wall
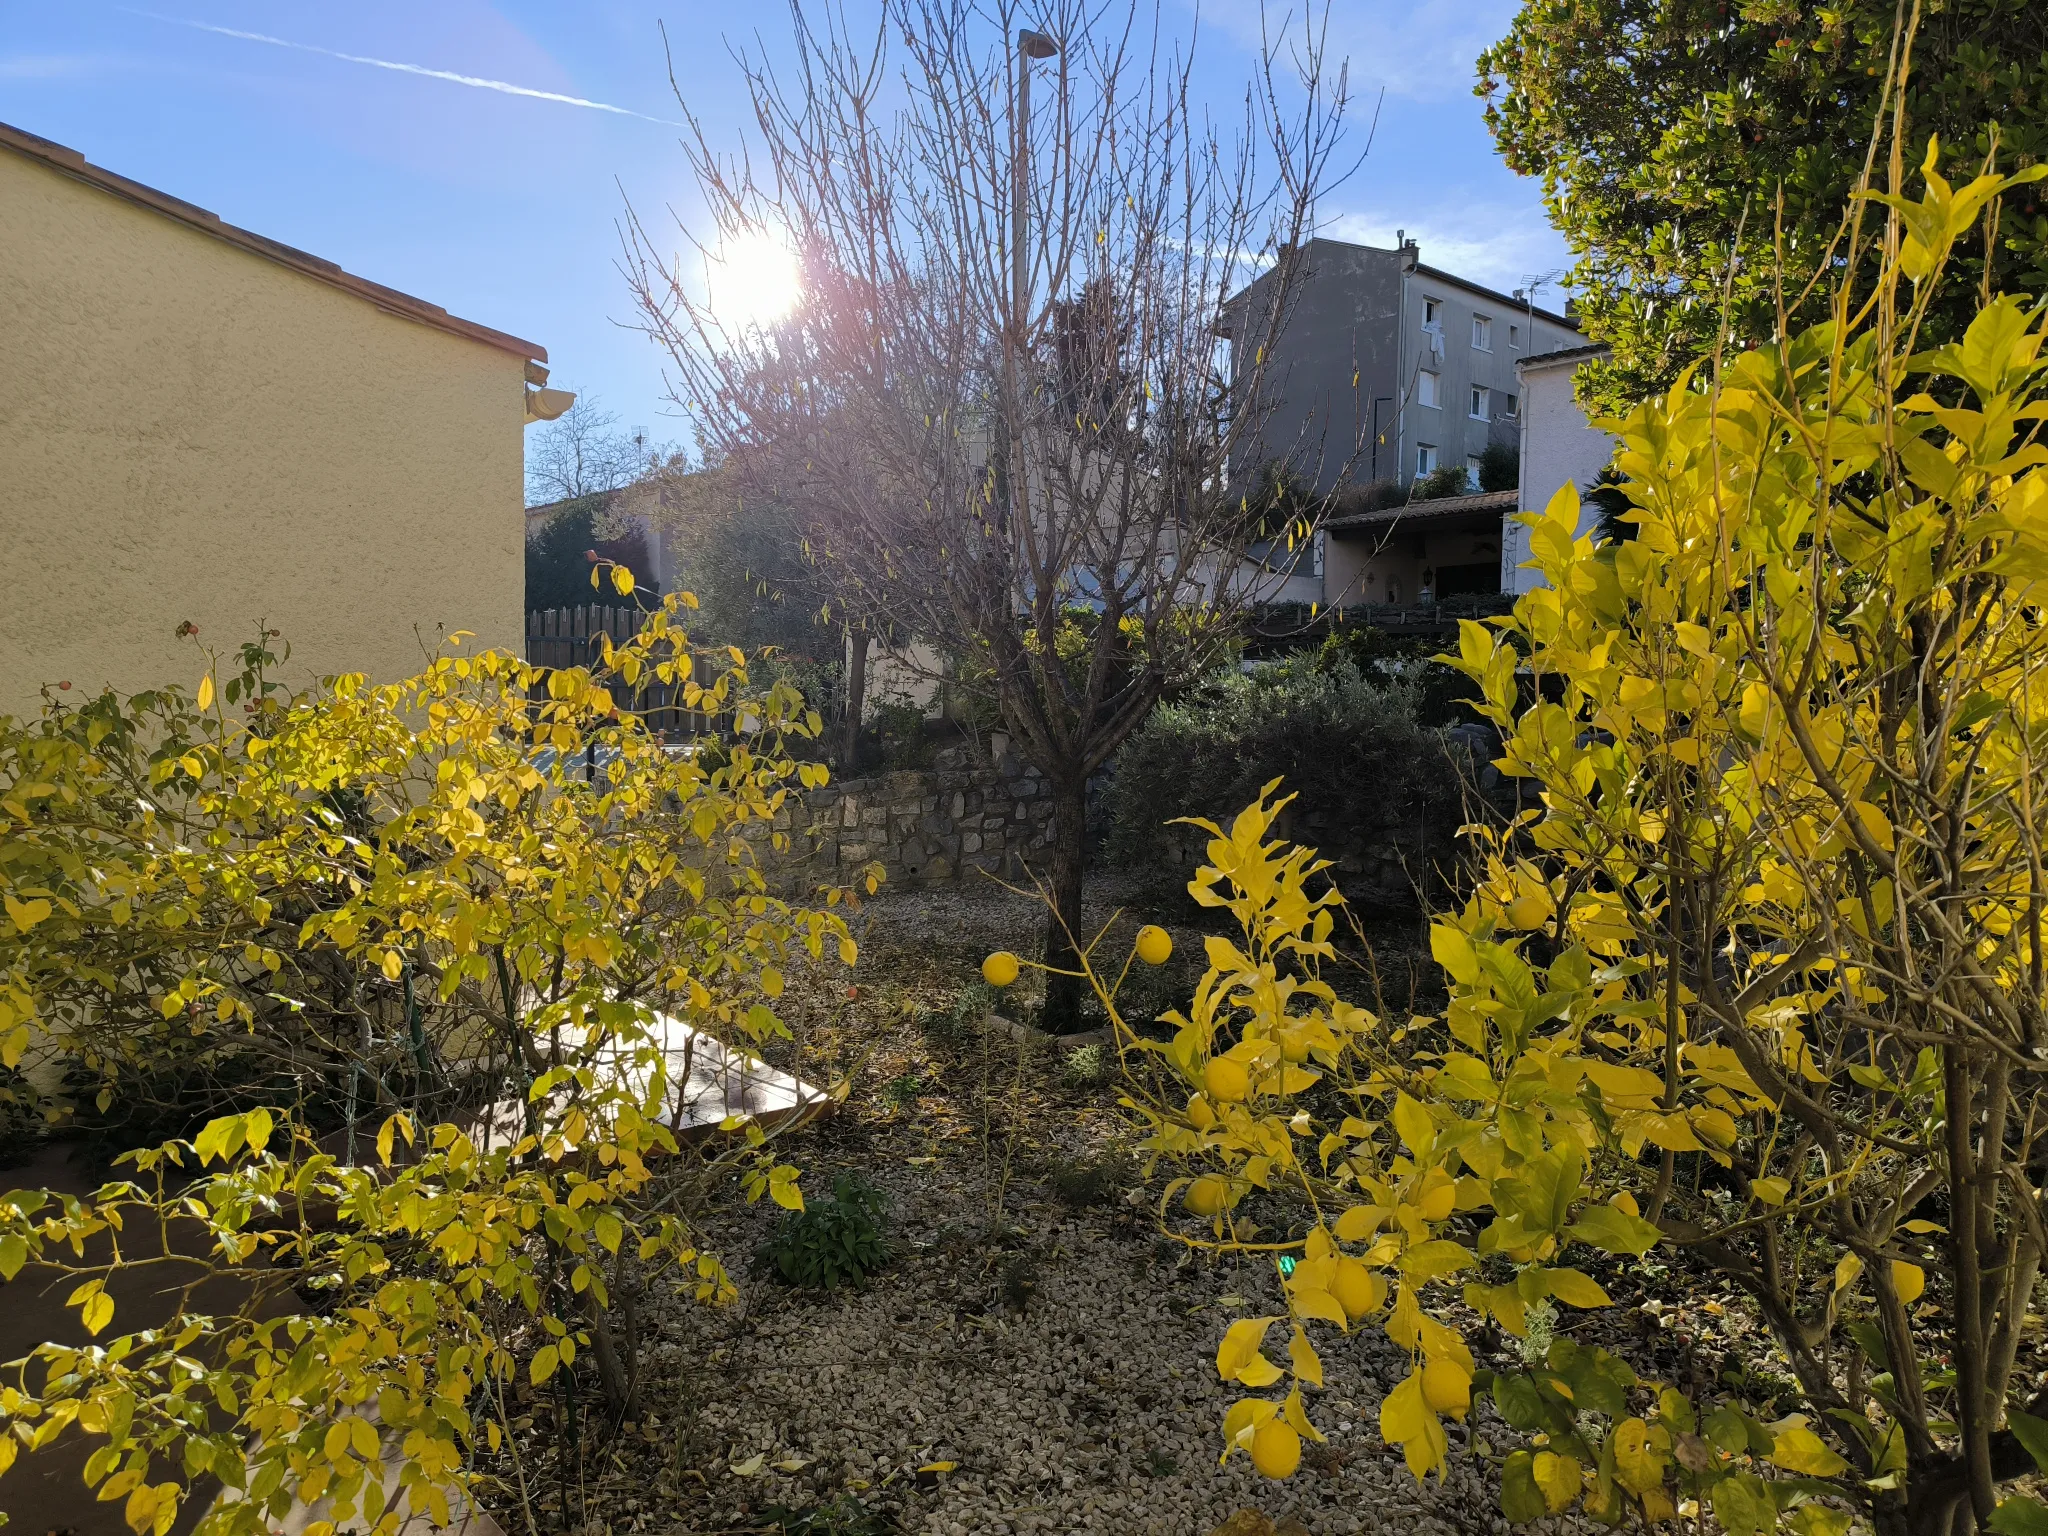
x: 925, y: 826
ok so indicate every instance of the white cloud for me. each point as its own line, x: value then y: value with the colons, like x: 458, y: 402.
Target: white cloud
x: 1499, y: 247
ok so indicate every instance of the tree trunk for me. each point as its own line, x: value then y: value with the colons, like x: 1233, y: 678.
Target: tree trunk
x: 618, y: 1369
x: 856, y: 696
x: 1064, y: 995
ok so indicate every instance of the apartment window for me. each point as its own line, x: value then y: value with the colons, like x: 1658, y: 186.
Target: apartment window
x: 1510, y: 405
x: 1425, y: 459
x: 1432, y: 314
x: 1471, y: 471
x: 1426, y: 389
x: 1482, y: 333
x: 1514, y: 336
x: 1479, y: 403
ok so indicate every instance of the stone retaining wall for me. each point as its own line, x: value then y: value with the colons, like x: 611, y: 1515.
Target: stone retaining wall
x: 926, y: 826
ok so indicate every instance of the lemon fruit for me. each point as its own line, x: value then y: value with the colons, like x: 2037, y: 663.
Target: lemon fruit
x: 1200, y: 1115
x: 1227, y: 1081
x: 1446, y: 1388
x: 1528, y: 911
x: 999, y: 969
x: 1357, y: 1289
x: 1436, y: 1197
x: 1208, y: 1195
x: 1276, y: 1449
x: 1155, y: 945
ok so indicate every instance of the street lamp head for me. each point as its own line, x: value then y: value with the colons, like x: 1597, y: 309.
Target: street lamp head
x: 1035, y: 45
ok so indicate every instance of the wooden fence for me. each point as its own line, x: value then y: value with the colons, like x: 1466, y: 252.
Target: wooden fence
x: 569, y: 637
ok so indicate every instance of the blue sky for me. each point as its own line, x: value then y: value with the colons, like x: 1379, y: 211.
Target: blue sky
x: 504, y: 208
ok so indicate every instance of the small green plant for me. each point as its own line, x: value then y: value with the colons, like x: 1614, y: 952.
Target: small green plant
x: 1019, y: 1281
x: 956, y: 1025
x: 901, y: 1091
x: 1087, y: 1181
x: 1089, y: 1067
x: 831, y: 1241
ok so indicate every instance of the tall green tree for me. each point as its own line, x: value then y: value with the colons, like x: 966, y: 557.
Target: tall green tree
x: 1674, y: 134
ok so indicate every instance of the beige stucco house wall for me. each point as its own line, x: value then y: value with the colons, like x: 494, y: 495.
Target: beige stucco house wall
x: 199, y: 424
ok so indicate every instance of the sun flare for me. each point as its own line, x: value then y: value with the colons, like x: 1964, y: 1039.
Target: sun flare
x: 754, y: 281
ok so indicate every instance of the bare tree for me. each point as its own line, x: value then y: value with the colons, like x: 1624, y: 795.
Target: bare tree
x: 585, y: 452
x: 1002, y: 393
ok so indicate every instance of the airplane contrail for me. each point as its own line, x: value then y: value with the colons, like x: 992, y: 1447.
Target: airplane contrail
x: 478, y: 81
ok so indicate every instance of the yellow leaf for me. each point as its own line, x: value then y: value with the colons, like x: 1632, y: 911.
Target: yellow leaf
x: 392, y: 965
x: 206, y: 691
x: 751, y: 1467
x: 1429, y: 1261
x: 1771, y: 1191
x: 1314, y: 1301
x: 1358, y: 1222
x: 1238, y: 1357
x: 1559, y: 1478
x: 1909, y: 1280
x: 1413, y: 1125
x: 545, y: 1359
x: 1847, y: 1271
x: 1406, y: 1421
x: 97, y: 1312
x: 782, y: 1187
x: 362, y: 1435
x: 1308, y: 1365
x: 1574, y: 1288
x: 1636, y: 1458
x: 1798, y: 1449
x: 26, y: 914
x: 622, y: 580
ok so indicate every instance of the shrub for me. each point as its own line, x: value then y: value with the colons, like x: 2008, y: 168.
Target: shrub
x: 1350, y: 748
x: 1758, y: 978
x: 1446, y: 481
x: 328, y: 898
x: 833, y: 1241
x: 558, y: 565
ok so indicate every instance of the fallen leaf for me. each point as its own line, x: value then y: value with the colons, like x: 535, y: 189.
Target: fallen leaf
x: 751, y: 1467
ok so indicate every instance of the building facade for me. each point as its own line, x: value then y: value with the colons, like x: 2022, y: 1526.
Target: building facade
x: 203, y: 426
x: 1382, y: 372
x: 1560, y: 447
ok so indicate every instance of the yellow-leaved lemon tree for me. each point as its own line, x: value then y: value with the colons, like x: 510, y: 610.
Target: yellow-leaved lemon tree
x: 1756, y: 974
x: 431, y: 944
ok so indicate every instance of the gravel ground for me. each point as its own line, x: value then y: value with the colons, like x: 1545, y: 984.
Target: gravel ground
x: 1092, y: 1406
x: 1044, y: 1339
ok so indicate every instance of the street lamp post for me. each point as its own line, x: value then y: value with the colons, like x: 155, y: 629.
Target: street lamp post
x: 1030, y: 45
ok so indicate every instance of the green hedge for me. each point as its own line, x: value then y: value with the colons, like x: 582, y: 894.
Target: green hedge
x: 1367, y: 771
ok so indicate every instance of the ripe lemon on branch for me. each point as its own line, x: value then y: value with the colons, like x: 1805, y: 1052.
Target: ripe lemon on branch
x: 999, y: 969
